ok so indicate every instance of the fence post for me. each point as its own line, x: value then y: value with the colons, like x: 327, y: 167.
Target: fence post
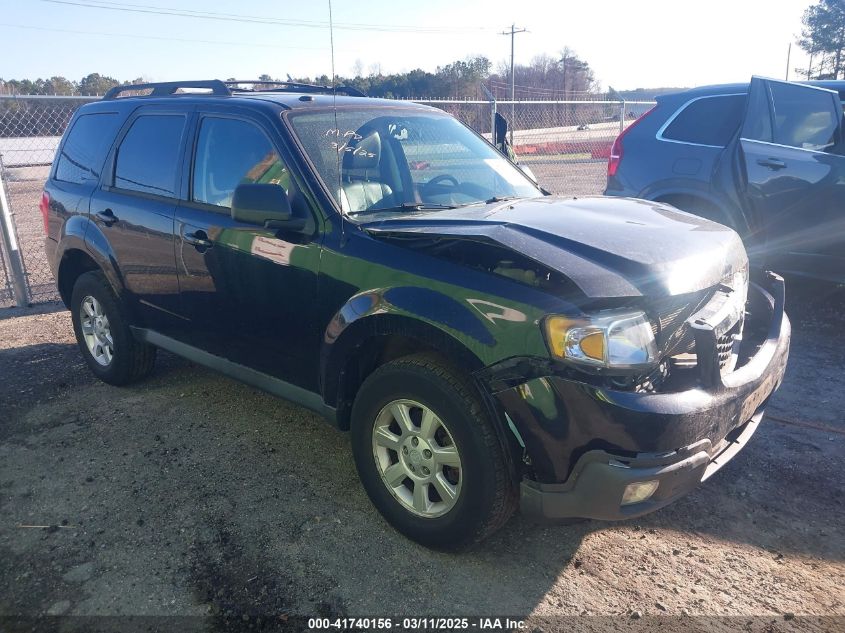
x: 11, y: 246
x: 622, y: 116
x: 491, y: 97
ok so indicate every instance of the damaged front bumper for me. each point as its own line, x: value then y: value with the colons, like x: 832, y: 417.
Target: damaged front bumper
x: 589, y: 447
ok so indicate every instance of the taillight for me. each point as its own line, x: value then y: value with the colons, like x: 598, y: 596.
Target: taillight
x: 616, y: 150
x: 45, y: 211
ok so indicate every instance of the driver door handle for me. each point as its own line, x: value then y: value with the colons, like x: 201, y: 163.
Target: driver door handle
x: 771, y: 163
x: 199, y: 239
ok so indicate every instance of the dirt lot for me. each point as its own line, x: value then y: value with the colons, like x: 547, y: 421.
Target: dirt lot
x: 192, y: 494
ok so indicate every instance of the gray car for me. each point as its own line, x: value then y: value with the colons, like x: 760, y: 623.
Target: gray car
x: 765, y: 158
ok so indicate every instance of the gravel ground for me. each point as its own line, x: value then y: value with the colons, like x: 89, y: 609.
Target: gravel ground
x: 192, y: 494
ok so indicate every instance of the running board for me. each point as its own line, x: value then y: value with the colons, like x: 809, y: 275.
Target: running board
x: 265, y: 382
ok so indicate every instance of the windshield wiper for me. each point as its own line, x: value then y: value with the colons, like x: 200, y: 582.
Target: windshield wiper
x: 406, y: 206
x: 500, y: 199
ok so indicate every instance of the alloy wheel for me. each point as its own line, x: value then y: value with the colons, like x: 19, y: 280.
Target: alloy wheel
x: 417, y: 458
x: 96, y: 330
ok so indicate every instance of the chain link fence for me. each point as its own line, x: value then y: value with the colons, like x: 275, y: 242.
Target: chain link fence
x: 30, y: 130
x: 565, y: 143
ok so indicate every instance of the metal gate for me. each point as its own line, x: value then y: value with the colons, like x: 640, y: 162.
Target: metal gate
x: 30, y: 130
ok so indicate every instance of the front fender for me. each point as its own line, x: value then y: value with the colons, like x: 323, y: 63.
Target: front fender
x: 435, y: 319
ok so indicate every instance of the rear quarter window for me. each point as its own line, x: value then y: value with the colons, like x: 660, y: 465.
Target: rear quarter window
x: 707, y: 120
x: 84, y: 150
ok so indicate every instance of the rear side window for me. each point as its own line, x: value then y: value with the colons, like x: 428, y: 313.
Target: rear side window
x: 707, y: 121
x: 804, y: 118
x: 148, y: 154
x: 86, y: 146
x: 230, y: 153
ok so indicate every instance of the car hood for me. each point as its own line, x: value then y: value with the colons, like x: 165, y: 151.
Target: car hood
x: 608, y: 247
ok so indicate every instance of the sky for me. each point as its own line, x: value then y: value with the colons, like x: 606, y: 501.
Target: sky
x: 629, y: 44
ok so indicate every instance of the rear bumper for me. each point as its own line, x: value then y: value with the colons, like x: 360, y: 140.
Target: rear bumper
x: 587, y: 444
x: 51, y: 246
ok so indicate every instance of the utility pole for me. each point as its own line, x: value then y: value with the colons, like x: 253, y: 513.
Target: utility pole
x: 512, y: 33
x: 788, y: 55
x: 564, y: 60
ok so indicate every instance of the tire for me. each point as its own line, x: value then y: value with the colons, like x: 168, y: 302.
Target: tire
x: 464, y: 451
x: 97, y: 319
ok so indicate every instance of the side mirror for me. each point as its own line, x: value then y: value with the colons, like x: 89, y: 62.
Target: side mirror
x: 265, y: 205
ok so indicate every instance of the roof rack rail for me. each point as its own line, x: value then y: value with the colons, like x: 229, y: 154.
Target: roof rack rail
x: 167, y: 88
x: 227, y: 88
x: 292, y: 86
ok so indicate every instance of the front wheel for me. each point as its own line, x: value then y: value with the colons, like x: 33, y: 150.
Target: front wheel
x: 429, y: 456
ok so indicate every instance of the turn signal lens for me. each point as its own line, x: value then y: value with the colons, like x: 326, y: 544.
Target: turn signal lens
x: 592, y: 345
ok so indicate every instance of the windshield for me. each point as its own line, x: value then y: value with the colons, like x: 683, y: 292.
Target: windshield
x: 399, y: 160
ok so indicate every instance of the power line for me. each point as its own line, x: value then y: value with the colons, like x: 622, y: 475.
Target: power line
x: 159, y: 38
x: 254, y: 19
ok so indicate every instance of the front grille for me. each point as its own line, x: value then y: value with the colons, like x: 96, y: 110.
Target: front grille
x: 725, y: 345
x: 724, y: 348
x: 670, y: 319
x: 680, y: 346
x: 668, y: 322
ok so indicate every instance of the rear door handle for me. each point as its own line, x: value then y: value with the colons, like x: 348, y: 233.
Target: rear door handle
x: 199, y: 239
x: 107, y: 217
x: 771, y: 163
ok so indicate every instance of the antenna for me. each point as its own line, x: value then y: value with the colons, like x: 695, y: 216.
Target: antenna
x: 337, y: 130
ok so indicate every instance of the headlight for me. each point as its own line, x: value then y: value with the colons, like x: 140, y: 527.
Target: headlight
x: 612, y: 340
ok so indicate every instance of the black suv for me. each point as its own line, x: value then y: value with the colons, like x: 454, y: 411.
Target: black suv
x: 385, y: 266
x: 766, y: 158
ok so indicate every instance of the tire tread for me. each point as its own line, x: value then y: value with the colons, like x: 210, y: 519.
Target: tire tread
x: 506, y: 495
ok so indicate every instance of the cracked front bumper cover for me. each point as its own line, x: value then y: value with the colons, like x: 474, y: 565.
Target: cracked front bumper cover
x: 586, y: 444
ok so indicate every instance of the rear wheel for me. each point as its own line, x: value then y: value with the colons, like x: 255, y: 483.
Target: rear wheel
x: 103, y: 333
x: 428, y: 454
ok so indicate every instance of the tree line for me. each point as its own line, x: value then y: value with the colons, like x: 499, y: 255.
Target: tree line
x: 546, y: 77
x: 92, y: 85
x: 823, y: 38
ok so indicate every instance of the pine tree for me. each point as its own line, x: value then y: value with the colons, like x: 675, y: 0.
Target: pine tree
x: 823, y: 37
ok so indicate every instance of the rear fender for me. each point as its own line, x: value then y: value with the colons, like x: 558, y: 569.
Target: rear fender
x: 81, y: 234
x: 732, y: 214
